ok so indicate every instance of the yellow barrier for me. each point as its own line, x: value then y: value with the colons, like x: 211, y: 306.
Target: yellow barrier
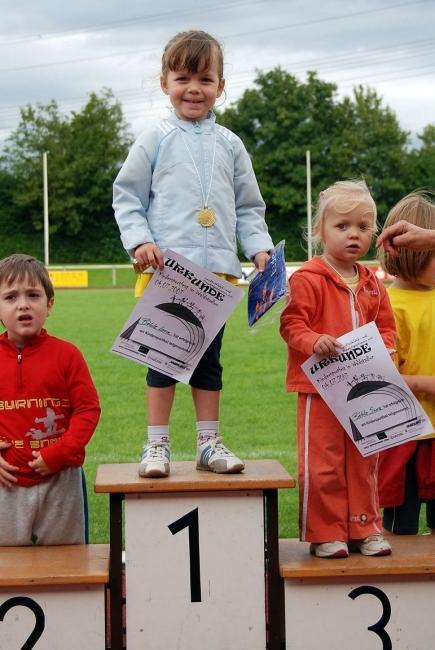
x: 69, y: 278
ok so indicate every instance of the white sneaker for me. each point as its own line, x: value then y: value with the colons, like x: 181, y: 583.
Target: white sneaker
x: 373, y: 545
x: 213, y: 456
x: 154, y: 461
x: 330, y: 549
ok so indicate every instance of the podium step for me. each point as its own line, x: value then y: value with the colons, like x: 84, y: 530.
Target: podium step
x: 184, y: 477
x: 54, y: 565
x: 412, y: 555
x: 359, y: 602
x: 199, y: 539
x: 53, y: 596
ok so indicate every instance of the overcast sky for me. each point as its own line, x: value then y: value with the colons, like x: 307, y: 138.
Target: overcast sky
x: 64, y: 51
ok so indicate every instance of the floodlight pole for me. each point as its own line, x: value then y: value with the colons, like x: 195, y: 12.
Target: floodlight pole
x: 309, y: 232
x: 45, y: 189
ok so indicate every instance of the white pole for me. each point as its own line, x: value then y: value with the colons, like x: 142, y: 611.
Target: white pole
x: 308, y: 163
x: 45, y: 186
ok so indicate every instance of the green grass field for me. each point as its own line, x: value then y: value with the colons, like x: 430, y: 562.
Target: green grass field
x: 257, y: 415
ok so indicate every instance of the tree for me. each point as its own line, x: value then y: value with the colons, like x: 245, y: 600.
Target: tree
x: 85, y: 150
x: 283, y: 117
x: 278, y: 121
x: 371, y: 145
x: 421, y: 162
x: 11, y: 239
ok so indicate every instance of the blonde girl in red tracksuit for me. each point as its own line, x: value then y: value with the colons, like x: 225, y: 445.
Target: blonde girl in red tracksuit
x: 328, y: 296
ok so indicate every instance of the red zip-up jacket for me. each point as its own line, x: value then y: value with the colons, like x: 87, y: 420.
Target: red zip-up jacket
x: 319, y: 302
x: 48, y: 403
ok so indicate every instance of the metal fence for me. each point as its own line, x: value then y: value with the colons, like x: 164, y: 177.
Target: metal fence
x: 123, y: 276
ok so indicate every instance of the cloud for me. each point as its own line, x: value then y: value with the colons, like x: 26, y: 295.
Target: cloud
x: 49, y: 51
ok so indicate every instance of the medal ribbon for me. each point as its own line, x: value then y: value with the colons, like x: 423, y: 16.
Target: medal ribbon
x: 204, y: 196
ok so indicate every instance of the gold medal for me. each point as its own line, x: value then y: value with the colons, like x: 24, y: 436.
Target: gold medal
x: 206, y: 217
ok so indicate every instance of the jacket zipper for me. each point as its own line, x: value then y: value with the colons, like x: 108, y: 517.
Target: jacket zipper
x: 19, y: 371
x: 353, y: 310
x: 353, y: 299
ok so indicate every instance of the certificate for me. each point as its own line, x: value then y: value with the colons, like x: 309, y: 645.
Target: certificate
x: 366, y: 393
x: 179, y: 314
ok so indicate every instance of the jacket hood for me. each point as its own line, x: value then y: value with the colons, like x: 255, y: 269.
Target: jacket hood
x: 319, y: 266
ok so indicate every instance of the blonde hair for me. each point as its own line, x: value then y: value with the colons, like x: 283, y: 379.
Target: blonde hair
x: 20, y: 266
x: 342, y: 197
x: 417, y: 208
x: 194, y: 51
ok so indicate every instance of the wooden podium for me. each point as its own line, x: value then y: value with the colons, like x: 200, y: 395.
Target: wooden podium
x: 53, y: 597
x: 375, y: 603
x: 201, y: 557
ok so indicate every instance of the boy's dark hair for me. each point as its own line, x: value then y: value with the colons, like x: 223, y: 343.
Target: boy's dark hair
x: 193, y: 50
x: 20, y: 266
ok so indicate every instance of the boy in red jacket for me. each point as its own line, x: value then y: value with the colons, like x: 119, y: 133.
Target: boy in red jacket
x: 49, y: 409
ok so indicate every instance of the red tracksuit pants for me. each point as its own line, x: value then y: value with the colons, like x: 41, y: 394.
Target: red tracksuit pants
x: 338, y: 494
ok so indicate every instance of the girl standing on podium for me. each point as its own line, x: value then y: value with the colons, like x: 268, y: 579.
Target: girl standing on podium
x: 188, y: 185
x: 407, y: 472
x: 329, y: 296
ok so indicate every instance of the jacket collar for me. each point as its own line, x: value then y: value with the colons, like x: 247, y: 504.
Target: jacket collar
x: 205, y: 125
x: 31, y: 345
x: 318, y: 266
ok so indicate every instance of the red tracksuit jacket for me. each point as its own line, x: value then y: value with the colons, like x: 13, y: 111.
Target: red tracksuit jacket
x: 322, y: 304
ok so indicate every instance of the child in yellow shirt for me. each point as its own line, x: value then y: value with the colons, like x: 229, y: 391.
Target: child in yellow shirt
x: 407, y: 472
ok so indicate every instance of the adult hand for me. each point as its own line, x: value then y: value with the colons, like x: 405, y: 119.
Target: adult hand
x: 147, y: 255
x: 326, y: 345
x: 406, y: 235
x: 260, y: 260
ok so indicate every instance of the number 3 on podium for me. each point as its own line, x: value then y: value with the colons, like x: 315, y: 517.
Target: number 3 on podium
x: 379, y: 627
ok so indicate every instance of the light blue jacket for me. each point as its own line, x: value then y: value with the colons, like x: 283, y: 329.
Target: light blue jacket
x: 157, y: 194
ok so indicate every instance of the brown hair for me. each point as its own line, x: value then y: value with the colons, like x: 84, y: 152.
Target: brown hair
x: 194, y: 51
x: 417, y: 208
x: 20, y: 266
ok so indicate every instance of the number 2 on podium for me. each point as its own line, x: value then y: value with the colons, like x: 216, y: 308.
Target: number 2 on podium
x: 31, y: 604
x: 190, y: 521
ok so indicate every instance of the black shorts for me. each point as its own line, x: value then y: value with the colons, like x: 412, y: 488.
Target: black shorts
x: 207, y: 374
